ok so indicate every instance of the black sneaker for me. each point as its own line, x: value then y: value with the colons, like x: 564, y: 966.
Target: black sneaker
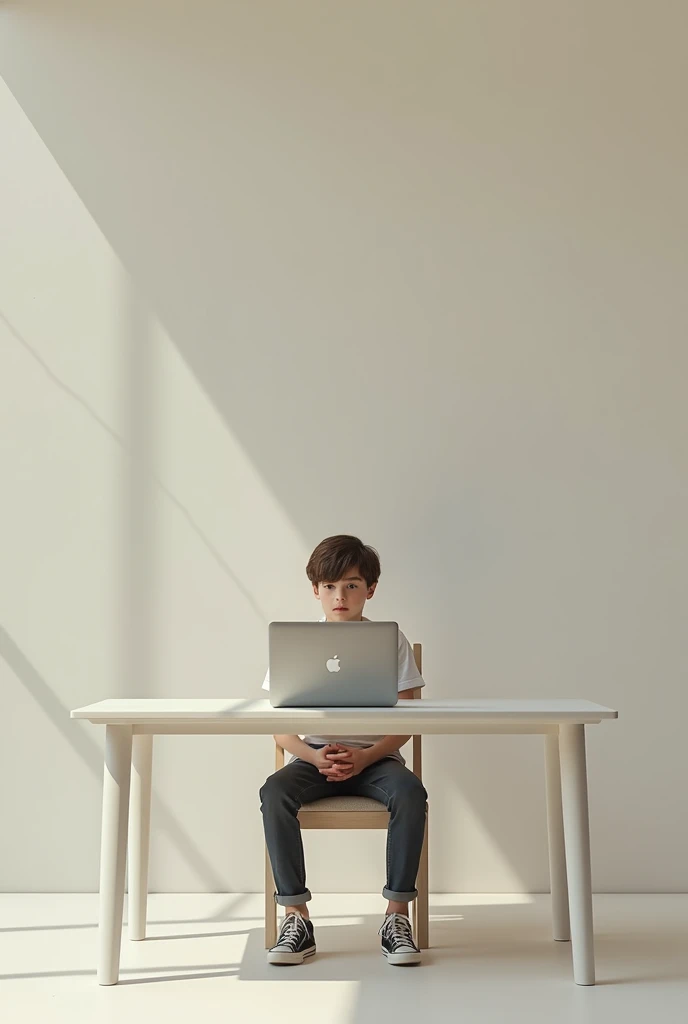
x: 296, y: 941
x: 397, y: 940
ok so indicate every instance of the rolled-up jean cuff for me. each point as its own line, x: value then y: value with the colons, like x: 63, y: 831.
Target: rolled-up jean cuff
x: 399, y: 897
x: 293, y: 901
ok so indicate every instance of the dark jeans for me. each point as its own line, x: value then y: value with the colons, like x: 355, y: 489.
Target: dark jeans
x: 299, y: 783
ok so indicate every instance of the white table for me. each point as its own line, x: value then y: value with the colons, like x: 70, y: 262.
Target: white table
x: 131, y: 725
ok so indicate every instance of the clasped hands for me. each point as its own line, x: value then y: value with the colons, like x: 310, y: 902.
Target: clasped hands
x: 339, y: 763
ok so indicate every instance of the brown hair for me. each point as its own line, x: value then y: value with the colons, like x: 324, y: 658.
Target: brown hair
x: 335, y: 556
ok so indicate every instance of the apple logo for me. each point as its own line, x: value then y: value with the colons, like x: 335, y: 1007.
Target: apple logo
x: 332, y: 664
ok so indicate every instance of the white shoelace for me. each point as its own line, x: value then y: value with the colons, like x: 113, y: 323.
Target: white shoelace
x: 398, y: 927
x: 289, y: 932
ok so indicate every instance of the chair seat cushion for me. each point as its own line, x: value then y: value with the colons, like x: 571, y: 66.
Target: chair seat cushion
x: 345, y: 803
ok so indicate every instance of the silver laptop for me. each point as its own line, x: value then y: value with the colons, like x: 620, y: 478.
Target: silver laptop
x: 333, y: 664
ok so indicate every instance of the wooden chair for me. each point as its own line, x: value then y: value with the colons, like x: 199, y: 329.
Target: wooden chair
x: 355, y: 812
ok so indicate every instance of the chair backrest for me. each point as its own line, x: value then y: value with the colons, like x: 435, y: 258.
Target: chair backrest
x: 417, y: 760
x: 418, y: 693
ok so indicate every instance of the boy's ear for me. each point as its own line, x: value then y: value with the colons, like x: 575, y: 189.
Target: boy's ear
x: 371, y: 591
x: 316, y: 590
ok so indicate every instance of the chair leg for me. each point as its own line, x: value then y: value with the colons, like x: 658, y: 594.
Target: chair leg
x: 270, y: 905
x: 421, y: 909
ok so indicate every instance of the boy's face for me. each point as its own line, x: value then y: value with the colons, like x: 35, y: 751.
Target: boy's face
x: 343, y: 600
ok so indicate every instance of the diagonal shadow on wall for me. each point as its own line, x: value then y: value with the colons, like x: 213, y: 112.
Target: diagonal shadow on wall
x: 91, y: 755
x: 154, y: 478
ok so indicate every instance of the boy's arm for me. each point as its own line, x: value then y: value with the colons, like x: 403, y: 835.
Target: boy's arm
x: 367, y: 756
x: 383, y: 747
x: 388, y: 744
x: 296, y: 746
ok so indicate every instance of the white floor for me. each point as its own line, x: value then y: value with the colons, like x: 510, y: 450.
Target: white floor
x: 491, y: 959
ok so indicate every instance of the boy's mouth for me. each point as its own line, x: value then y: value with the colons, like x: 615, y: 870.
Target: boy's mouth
x: 340, y: 609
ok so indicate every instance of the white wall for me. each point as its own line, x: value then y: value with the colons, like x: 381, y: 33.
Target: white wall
x: 411, y: 270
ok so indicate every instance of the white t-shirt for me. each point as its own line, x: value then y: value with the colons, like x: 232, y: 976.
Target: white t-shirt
x: 409, y: 678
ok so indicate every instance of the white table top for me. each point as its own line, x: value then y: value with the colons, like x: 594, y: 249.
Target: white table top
x: 245, y: 715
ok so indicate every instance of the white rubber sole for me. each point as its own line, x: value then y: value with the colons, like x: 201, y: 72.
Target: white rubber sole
x: 290, y: 959
x: 401, y: 959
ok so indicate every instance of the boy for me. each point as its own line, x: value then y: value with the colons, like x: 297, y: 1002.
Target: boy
x: 344, y: 573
